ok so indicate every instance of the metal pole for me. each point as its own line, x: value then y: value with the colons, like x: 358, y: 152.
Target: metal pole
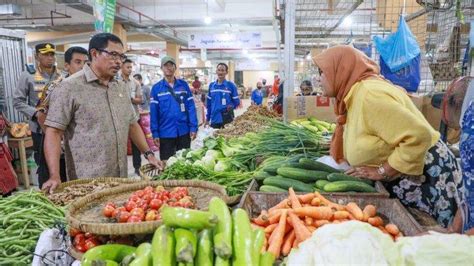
x: 289, y: 59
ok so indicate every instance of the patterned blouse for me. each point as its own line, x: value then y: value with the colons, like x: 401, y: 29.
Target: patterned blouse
x: 467, y: 164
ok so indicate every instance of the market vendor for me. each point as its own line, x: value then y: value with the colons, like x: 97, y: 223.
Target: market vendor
x: 257, y: 95
x: 383, y: 136
x: 222, y: 99
x: 93, y: 111
x: 173, y: 120
x: 306, y: 89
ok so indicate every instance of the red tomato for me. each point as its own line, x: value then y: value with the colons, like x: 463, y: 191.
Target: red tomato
x: 111, y: 204
x: 142, y: 204
x: 81, y: 248
x: 148, y: 189
x: 188, y: 204
x: 74, y: 232
x: 151, y: 215
x: 79, y: 239
x: 155, y: 204
x: 134, y: 198
x: 139, y: 212
x: 90, y: 243
x: 159, y: 188
x: 140, y: 193
x: 147, y: 197
x: 123, y: 216
x: 108, y: 211
x: 134, y: 219
x: 129, y: 206
x: 88, y: 235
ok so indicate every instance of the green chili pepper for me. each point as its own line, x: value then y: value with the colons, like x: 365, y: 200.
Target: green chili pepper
x: 142, y: 255
x: 113, y: 252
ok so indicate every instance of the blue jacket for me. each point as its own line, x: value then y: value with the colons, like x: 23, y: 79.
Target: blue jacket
x: 215, y: 103
x: 257, y: 96
x: 167, y: 120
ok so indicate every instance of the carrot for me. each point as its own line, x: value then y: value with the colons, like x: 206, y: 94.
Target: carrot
x: 284, y: 204
x: 308, y: 220
x: 288, y: 228
x: 375, y: 221
x: 262, y: 219
x: 392, y: 229
x: 316, y: 201
x: 296, y: 243
x: 339, y: 215
x: 319, y: 213
x: 327, y: 202
x: 311, y: 228
x: 306, y: 198
x: 269, y: 229
x: 277, y: 241
x: 336, y: 222
x: 319, y: 223
x: 295, y: 203
x: 370, y: 211
x: 288, y: 243
x: 275, y: 217
x: 351, y: 217
x: 302, y: 233
x: 353, y: 209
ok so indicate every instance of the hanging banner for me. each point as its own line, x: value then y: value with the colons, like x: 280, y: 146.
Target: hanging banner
x: 226, y: 40
x: 104, y: 13
x: 252, y: 65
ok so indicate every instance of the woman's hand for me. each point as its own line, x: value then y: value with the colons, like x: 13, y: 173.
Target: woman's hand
x: 365, y: 172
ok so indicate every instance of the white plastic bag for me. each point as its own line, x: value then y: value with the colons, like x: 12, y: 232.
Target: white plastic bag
x: 331, y: 162
x: 203, y: 133
x: 51, y: 249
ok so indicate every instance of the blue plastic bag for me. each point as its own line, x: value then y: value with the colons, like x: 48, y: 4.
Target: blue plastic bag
x: 399, y: 48
x: 408, y: 77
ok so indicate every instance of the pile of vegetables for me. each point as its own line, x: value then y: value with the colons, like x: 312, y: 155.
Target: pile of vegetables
x: 250, y: 121
x: 235, y: 183
x: 192, y: 237
x: 295, y: 218
x: 144, y: 205
x: 315, y: 125
x: 24, y: 216
x: 279, y: 173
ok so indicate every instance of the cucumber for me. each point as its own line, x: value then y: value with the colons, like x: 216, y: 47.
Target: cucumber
x: 303, y: 175
x: 260, y: 175
x: 318, y: 190
x: 223, y: 232
x: 186, y: 218
x: 163, y: 245
x: 342, y: 177
x: 205, y: 254
x: 258, y: 239
x: 286, y: 183
x: 221, y: 262
x: 314, y: 165
x: 186, y: 246
x: 266, y: 188
x: 267, y: 259
x: 272, y: 168
x: 242, y: 239
x: 345, y: 186
x: 321, y: 183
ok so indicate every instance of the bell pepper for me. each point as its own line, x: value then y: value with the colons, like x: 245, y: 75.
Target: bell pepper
x: 109, y: 252
x: 142, y: 255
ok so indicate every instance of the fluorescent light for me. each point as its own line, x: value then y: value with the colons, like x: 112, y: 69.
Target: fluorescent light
x: 347, y: 21
x: 208, y: 20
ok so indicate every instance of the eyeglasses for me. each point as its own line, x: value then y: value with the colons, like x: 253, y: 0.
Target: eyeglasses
x: 114, y: 55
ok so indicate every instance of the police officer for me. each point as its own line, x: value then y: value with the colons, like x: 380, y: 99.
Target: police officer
x: 29, y: 90
x: 173, y: 120
x: 222, y: 99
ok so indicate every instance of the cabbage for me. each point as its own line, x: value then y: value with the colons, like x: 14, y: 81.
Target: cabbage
x: 437, y: 249
x: 172, y: 160
x: 208, y: 162
x: 222, y: 166
x: 214, y: 154
x: 349, y: 243
x: 195, y: 155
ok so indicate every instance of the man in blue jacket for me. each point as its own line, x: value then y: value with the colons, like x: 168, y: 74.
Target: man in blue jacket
x: 257, y: 95
x: 222, y: 99
x: 173, y: 120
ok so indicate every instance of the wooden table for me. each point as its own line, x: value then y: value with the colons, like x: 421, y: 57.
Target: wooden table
x: 21, y: 144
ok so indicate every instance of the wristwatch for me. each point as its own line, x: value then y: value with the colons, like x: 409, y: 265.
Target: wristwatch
x: 148, y: 153
x: 381, y: 171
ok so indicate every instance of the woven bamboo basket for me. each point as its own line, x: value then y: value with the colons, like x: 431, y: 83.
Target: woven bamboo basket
x: 85, y: 213
x: 123, y: 180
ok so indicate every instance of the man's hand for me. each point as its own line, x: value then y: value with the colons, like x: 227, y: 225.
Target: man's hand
x: 155, y: 162
x: 51, y: 184
x: 157, y: 142
x: 193, y: 135
x: 365, y: 172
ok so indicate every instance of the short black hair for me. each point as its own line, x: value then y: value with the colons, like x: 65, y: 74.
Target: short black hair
x: 101, y: 40
x: 138, y: 76
x: 73, y: 50
x: 127, y: 61
x: 307, y: 83
x: 225, y: 65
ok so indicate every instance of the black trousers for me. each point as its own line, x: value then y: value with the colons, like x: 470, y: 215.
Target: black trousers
x: 217, y: 125
x: 40, y: 160
x: 169, y: 146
